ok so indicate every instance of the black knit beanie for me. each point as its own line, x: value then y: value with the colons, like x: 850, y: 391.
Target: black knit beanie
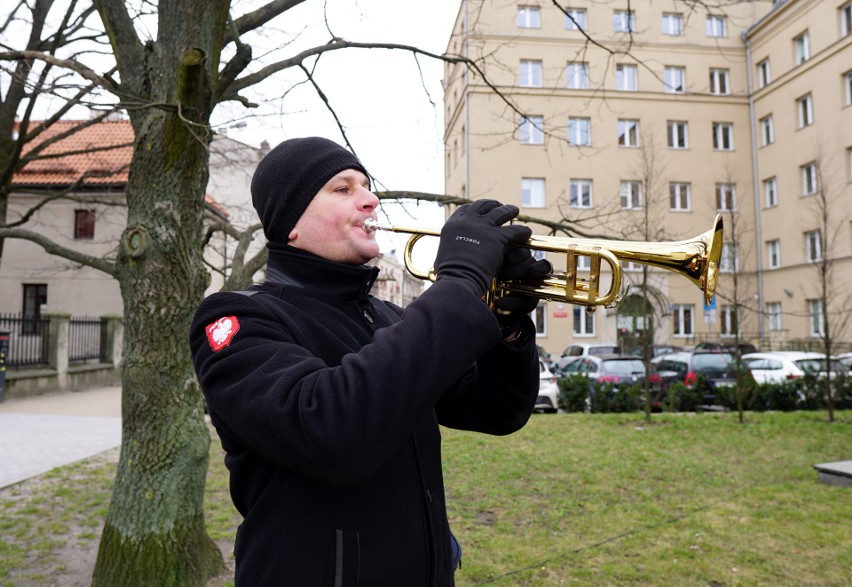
x: 288, y: 178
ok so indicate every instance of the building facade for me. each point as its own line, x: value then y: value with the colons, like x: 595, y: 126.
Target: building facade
x: 643, y: 122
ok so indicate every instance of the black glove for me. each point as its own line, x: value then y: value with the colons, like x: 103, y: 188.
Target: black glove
x: 518, y: 263
x: 473, y: 242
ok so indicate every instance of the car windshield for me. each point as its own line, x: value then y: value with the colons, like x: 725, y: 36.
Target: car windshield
x: 598, y: 351
x: 711, y: 361
x: 622, y: 366
x: 816, y: 365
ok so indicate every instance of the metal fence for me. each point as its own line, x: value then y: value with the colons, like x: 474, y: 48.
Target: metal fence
x: 85, y: 339
x: 29, y: 340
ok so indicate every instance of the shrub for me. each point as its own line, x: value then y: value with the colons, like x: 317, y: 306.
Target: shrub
x: 685, y: 399
x: 573, y: 392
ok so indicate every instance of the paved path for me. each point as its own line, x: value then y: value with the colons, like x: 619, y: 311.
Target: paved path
x: 40, y: 433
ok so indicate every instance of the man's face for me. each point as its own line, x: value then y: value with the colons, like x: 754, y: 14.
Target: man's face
x: 331, y: 225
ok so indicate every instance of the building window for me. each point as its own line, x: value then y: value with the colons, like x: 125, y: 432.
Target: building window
x: 764, y: 73
x: 628, y: 133
x: 717, y: 26
x: 773, y: 313
x: 720, y: 82
x: 682, y: 319
x: 810, y: 182
x: 770, y: 188
x: 773, y: 253
x: 532, y: 192
x: 529, y: 74
x: 674, y: 79
x: 529, y: 17
x: 805, y: 107
x: 626, y: 77
x: 580, y: 193
x: 728, y: 262
x: 802, y: 48
x: 677, y: 134
x: 577, y: 76
x: 813, y: 244
x: 723, y: 136
x: 728, y: 318
x: 679, y: 198
x: 575, y: 19
x: 35, y: 296
x: 623, y: 21
x: 767, y: 131
x: 579, y: 131
x: 845, y: 14
x: 847, y: 87
x: 631, y: 195
x: 584, y: 322
x: 532, y: 130
x: 540, y: 319
x: 726, y: 197
x: 672, y: 24
x: 84, y: 224
x: 816, y: 318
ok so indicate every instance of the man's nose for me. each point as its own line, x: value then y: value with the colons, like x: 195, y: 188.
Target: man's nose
x: 368, y: 200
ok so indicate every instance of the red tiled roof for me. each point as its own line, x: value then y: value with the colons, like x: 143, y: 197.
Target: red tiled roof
x: 101, y: 152
x: 94, y: 155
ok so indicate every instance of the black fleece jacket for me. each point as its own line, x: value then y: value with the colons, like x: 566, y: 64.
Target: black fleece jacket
x: 327, y: 403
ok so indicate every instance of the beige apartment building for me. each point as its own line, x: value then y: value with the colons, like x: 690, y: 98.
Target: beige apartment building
x: 643, y: 121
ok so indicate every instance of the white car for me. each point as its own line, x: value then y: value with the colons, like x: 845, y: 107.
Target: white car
x: 594, y: 349
x: 779, y: 366
x: 548, y: 390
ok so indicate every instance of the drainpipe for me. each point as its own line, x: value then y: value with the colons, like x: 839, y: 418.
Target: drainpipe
x: 465, y: 89
x: 755, y: 186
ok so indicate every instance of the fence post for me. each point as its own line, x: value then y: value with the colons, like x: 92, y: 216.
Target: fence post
x: 112, y: 339
x: 57, y: 354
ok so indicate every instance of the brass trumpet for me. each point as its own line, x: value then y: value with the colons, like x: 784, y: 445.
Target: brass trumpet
x: 697, y: 259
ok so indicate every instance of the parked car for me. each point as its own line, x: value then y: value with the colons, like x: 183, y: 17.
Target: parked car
x: 715, y: 369
x: 548, y: 391
x: 845, y: 360
x: 726, y: 347
x: 657, y: 350
x: 779, y: 366
x: 615, y: 369
x: 595, y: 349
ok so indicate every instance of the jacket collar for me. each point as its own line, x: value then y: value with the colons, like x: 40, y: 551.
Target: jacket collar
x: 291, y: 266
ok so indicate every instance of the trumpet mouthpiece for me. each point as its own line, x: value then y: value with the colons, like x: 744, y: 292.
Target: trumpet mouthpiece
x: 370, y: 225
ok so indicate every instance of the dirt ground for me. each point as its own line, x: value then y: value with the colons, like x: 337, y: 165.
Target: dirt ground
x: 72, y: 562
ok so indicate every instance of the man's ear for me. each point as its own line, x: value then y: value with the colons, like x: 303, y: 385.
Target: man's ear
x: 292, y: 236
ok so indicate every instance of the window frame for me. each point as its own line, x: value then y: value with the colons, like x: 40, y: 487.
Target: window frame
x: 623, y: 21
x: 680, y: 193
x: 583, y: 322
x: 531, y: 130
x: 628, y: 133
x: 672, y: 17
x: 577, y: 75
x: 845, y: 16
x: 723, y: 136
x: 631, y: 199
x: 625, y: 82
x: 579, y: 128
x: 810, y: 179
x: 720, y: 81
x: 530, y: 73
x: 729, y: 325
x: 716, y: 26
x: 677, y: 134
x: 581, y: 23
x: 773, y: 313
x: 805, y: 110
x: 813, y: 246
x: 771, y: 194
x: 529, y: 194
x: 670, y: 81
x: 816, y: 324
x: 84, y: 224
x: 726, y: 197
x: 801, y: 48
x: 588, y: 192
x: 531, y: 18
x: 683, y: 320
x: 773, y: 253
x: 767, y: 130
x: 764, y: 73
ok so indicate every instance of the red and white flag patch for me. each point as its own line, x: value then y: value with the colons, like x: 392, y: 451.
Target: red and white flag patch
x: 221, y: 332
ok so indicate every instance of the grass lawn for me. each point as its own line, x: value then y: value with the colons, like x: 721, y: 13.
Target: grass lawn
x: 571, y: 499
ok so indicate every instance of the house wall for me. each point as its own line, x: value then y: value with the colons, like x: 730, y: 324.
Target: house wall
x: 485, y: 158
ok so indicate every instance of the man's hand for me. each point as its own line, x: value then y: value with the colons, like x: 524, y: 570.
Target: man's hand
x: 474, y: 241
x: 519, y: 264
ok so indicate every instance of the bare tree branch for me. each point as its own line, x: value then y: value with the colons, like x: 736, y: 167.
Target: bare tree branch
x: 53, y: 248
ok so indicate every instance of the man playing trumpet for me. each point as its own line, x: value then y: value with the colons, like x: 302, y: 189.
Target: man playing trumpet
x: 327, y: 401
